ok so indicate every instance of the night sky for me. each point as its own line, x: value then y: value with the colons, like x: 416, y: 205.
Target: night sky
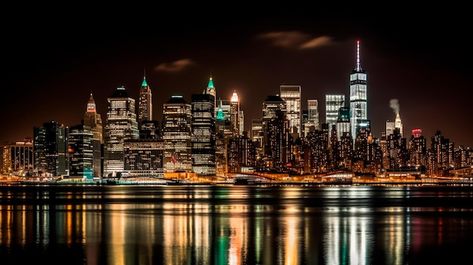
x: 53, y: 59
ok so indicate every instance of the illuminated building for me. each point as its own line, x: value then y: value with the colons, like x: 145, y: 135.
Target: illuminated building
x: 203, y: 134
x: 390, y: 125
x: 235, y: 113
x: 417, y: 150
x: 291, y: 94
x: 93, y: 121
x: 80, y: 151
x: 358, y: 94
x: 461, y: 156
x: 275, y: 133
x: 177, y: 135
x: 241, y: 122
x: 150, y: 130
x: 49, y: 143
x: 241, y: 154
x: 343, y: 122
x: 317, y: 145
x: 211, y: 91
x: 345, y: 148
x: 397, y: 151
x: 442, y: 152
x: 257, y: 136
x: 143, y: 158
x: 333, y: 103
x: 363, y: 131
x: 145, y: 104
x: 17, y: 158
x: 121, y: 125
x: 311, y: 121
x: 223, y: 133
x: 398, y: 123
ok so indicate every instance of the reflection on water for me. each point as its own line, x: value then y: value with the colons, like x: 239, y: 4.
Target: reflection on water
x: 234, y: 225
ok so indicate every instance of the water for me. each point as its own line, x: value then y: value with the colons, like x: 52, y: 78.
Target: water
x: 235, y: 225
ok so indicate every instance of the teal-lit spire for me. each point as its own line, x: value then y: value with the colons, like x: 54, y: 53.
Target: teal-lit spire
x: 144, y: 83
x: 210, y: 84
x: 220, y: 114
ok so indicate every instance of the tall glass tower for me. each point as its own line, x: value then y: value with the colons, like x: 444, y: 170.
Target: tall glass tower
x: 358, y: 94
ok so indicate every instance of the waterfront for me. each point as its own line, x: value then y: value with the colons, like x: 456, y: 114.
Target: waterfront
x: 235, y: 224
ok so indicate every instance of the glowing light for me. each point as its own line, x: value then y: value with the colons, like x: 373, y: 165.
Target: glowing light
x: 234, y: 97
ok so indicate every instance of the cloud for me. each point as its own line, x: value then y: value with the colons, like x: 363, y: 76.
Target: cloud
x: 295, y: 40
x: 176, y: 66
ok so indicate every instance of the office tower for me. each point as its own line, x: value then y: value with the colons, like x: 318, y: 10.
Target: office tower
x: 235, y: 113
x: 358, y: 94
x: 203, y: 134
x: 343, y: 122
x: 291, y: 94
x: 417, y: 150
x: 442, y: 150
x: 145, y: 104
x: 49, y: 143
x: 93, y: 121
x: 312, y: 121
x: 390, y: 126
x: 223, y: 133
x: 257, y: 136
x: 333, y: 103
x: 143, y: 158
x: 461, y: 156
x: 121, y: 125
x: 210, y: 89
x: 397, y: 150
x: 241, y: 122
x: 241, y: 154
x: 17, y: 158
x: 150, y: 130
x: 334, y: 146
x: 398, y: 123
x: 177, y: 135
x: 317, y: 145
x: 80, y: 151
x: 276, y: 133
x: 363, y: 131
x: 345, y: 148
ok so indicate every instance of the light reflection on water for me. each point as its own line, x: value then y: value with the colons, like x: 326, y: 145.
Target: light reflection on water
x: 234, y: 225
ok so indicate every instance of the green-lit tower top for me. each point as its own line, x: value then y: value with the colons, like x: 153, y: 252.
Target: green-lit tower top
x: 220, y: 114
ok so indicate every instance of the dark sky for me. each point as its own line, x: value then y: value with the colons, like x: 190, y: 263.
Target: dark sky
x: 52, y: 59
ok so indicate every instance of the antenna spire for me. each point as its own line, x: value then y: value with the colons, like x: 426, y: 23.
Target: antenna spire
x: 358, y: 65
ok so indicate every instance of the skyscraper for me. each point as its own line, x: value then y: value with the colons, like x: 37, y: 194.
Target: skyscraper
x: 93, y: 121
x: 49, y: 143
x: 235, y: 113
x: 211, y: 91
x: 417, y: 150
x: 80, y: 151
x: 203, y: 134
x: 343, y: 122
x: 17, y: 158
x: 143, y: 158
x: 358, y: 94
x: 333, y: 103
x: 276, y: 133
x: 121, y: 125
x: 177, y: 135
x: 145, y: 106
x: 291, y: 94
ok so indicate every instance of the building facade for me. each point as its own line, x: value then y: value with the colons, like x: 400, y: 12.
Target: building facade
x: 358, y: 94
x: 49, y: 143
x: 80, y: 150
x: 203, y: 134
x: 291, y: 94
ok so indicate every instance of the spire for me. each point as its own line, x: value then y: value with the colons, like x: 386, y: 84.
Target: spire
x: 91, y: 104
x: 358, y: 64
x: 144, y: 83
x: 210, y: 85
x: 220, y: 114
x: 234, y: 97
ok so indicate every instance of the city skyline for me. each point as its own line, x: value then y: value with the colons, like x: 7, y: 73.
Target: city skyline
x: 248, y: 57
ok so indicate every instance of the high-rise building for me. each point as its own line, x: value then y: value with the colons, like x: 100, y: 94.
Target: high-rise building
x: 177, y: 135
x: 93, y: 121
x: 312, y: 121
x: 318, y: 153
x: 343, y: 122
x: 333, y: 103
x: 150, y: 130
x: 80, y: 151
x: 121, y: 125
x: 358, y: 94
x: 17, y: 158
x: 235, y: 113
x: 49, y: 143
x: 257, y: 136
x: 145, y: 106
x: 291, y: 94
x: 390, y: 126
x: 203, y: 134
x: 241, y: 154
x: 241, y: 122
x: 417, y: 150
x: 211, y: 91
x: 443, y: 151
x: 276, y: 134
x: 223, y: 133
x: 398, y: 123
x: 143, y: 158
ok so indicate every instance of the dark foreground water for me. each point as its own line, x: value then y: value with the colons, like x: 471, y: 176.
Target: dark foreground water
x: 236, y: 225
